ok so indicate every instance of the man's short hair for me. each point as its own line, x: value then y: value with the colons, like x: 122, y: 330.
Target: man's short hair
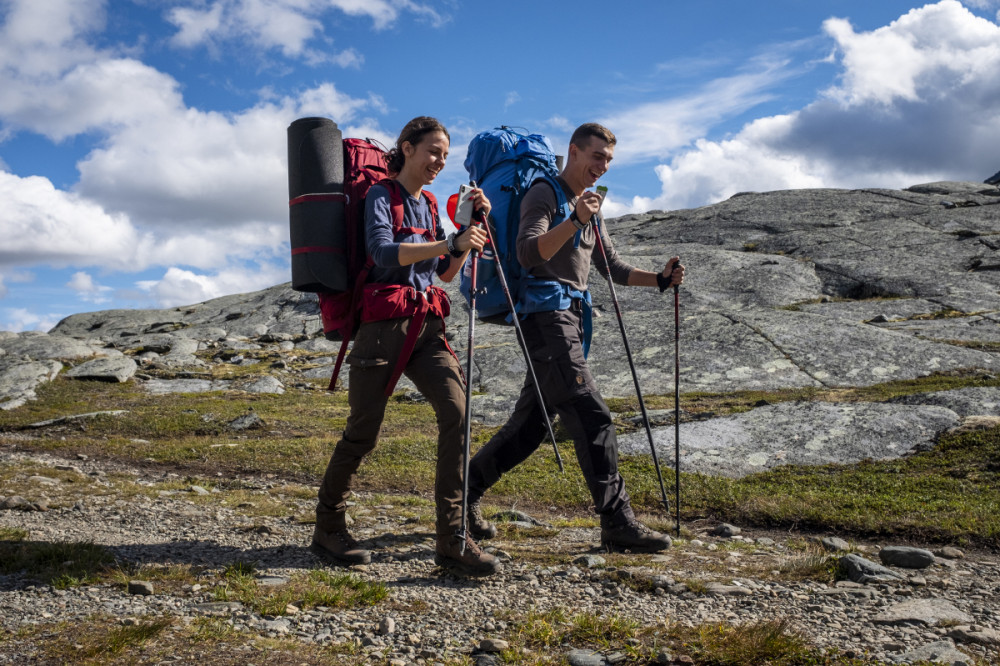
x: 583, y: 133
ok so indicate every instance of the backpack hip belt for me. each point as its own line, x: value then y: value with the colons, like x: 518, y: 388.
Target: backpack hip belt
x: 395, y: 301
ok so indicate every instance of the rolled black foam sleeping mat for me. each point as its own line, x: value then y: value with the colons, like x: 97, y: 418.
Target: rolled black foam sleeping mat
x: 316, y: 205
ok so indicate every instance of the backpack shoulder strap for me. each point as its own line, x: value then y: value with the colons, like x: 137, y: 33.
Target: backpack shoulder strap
x: 396, y: 205
x: 562, y: 203
x: 395, y: 202
x: 432, y: 203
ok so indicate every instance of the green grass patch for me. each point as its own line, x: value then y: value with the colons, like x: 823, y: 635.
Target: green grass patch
x: 770, y: 642
x: 315, y: 588
x: 129, y: 637
x: 61, y: 565
x: 948, y: 494
x: 541, y: 637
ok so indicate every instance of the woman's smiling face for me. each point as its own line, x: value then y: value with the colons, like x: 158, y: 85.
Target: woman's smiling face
x: 426, y: 159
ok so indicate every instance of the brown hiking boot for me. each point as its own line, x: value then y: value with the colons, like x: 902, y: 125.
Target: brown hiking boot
x: 338, y: 547
x: 473, y: 562
x: 479, y: 527
x: 633, y: 536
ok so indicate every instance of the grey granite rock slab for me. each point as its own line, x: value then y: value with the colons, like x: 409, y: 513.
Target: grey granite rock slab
x: 18, y: 380
x: 975, y: 401
x: 929, y: 612
x: 164, y: 386
x: 37, y: 346
x: 802, y: 433
x: 974, y: 328
x: 109, y: 369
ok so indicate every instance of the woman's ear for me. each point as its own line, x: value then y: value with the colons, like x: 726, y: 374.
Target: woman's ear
x: 407, y: 149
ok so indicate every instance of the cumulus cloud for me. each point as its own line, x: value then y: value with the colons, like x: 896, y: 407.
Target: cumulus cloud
x: 656, y: 129
x: 169, y: 184
x: 916, y: 101
x: 42, y: 224
x: 86, y: 289
x: 21, y: 319
x: 286, y: 25
x: 183, y: 287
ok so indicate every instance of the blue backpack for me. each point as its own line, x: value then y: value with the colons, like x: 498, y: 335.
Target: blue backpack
x: 505, y: 163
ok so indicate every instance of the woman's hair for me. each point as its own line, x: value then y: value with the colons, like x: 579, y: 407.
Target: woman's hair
x: 414, y: 132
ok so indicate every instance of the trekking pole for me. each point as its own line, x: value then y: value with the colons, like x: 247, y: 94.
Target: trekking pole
x: 677, y: 402
x: 461, y: 534
x: 628, y: 351
x: 520, y: 336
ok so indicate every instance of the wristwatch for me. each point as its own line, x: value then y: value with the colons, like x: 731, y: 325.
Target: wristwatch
x: 576, y: 221
x: 452, y: 250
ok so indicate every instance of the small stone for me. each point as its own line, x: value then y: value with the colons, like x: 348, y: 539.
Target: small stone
x: 835, y: 544
x: 860, y: 570
x: 44, y: 480
x: 590, y: 561
x: 585, y: 658
x: 906, y: 557
x: 725, y: 530
x: 386, y: 626
x: 950, y: 553
x: 140, y: 587
x: 493, y: 645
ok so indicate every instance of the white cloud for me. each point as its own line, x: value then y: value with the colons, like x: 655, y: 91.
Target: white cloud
x: 41, y: 224
x: 88, y: 290
x: 20, y: 319
x: 929, y: 114
x: 511, y: 99
x: 656, y: 129
x: 183, y: 287
x: 286, y: 25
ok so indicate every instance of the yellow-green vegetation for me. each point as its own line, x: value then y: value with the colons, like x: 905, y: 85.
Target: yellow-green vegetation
x: 948, y: 494
x: 318, y: 587
x: 101, y: 640
x: 771, y: 642
x: 61, y: 565
x: 537, y: 637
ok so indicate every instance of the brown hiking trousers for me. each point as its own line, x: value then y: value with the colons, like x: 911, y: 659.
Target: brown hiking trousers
x: 437, y: 374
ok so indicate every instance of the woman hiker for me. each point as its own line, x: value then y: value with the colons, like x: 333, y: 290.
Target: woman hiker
x: 400, y: 286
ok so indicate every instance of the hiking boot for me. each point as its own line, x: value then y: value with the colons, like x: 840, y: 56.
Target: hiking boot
x: 473, y: 562
x: 479, y: 527
x: 338, y: 547
x: 633, y: 536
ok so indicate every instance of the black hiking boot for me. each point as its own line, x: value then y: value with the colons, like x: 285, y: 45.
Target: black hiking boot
x: 473, y: 562
x: 338, y: 547
x: 633, y: 536
x: 479, y: 527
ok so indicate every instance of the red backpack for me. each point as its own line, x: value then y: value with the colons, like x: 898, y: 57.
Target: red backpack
x: 343, y: 310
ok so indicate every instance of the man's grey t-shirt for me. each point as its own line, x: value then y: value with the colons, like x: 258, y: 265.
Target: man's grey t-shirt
x: 569, y: 265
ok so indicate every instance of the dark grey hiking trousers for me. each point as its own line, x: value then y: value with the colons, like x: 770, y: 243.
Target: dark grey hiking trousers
x: 437, y: 375
x: 555, y: 344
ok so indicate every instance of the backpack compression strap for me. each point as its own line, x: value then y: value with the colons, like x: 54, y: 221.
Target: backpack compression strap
x: 318, y: 196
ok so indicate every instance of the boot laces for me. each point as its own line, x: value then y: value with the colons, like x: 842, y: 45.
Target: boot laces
x: 639, y: 528
x: 472, y: 547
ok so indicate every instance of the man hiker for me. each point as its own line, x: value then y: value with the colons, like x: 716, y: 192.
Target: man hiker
x: 558, y: 252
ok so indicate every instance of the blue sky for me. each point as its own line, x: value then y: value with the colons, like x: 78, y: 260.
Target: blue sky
x: 142, y: 142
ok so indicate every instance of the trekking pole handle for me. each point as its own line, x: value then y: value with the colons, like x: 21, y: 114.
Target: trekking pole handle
x: 674, y: 264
